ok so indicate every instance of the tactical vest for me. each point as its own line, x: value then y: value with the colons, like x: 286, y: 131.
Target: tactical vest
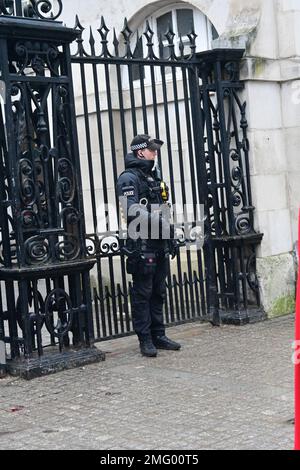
x: 149, y: 188
x: 149, y: 194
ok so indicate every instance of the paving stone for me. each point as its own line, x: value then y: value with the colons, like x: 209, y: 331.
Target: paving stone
x: 227, y: 388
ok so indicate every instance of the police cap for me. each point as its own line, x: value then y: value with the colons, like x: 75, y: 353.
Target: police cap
x: 144, y: 141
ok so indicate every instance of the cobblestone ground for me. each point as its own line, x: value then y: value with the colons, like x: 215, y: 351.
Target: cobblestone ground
x: 228, y: 388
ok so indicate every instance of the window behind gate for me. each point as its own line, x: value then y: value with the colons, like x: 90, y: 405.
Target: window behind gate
x: 179, y: 21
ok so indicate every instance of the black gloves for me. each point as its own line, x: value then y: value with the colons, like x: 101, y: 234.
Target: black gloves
x: 173, y: 248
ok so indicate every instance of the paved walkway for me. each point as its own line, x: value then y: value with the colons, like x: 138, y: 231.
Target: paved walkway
x: 228, y: 388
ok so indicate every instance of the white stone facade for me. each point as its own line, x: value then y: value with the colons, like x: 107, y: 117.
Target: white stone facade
x: 270, y: 32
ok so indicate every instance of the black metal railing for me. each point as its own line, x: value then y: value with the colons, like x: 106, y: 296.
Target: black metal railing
x: 229, y: 189
x: 44, y: 270
x: 124, y: 85
x: 128, y: 85
x: 120, y: 108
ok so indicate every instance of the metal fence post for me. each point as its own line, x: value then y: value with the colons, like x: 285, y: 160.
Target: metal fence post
x: 233, y: 237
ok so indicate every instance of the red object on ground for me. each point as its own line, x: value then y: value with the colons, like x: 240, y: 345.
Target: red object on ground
x: 297, y: 354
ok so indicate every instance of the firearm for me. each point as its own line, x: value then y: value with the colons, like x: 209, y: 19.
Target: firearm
x: 173, y: 243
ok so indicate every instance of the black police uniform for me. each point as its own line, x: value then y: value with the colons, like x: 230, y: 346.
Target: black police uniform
x: 149, y: 264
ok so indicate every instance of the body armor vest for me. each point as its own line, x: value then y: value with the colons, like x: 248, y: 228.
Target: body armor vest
x: 149, y: 188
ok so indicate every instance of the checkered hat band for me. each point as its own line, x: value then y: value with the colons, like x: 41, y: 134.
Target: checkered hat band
x: 144, y: 145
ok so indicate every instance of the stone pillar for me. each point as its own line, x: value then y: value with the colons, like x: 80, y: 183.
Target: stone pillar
x: 270, y: 69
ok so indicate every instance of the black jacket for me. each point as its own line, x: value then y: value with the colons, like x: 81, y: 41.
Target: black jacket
x: 139, y: 187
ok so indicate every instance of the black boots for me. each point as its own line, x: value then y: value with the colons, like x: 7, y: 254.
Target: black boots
x: 163, y: 342
x: 147, y: 347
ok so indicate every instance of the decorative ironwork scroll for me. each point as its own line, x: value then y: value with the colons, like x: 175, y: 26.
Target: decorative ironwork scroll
x: 41, y: 9
x: 230, y: 209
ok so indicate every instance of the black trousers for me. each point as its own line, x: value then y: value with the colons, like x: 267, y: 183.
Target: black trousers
x: 148, y: 297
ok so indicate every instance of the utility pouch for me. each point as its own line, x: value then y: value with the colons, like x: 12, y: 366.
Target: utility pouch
x: 147, y: 264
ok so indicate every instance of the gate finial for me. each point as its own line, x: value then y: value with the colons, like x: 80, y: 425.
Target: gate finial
x: 192, y: 37
x: 103, y: 31
x: 170, y: 35
x: 149, y: 34
x: 116, y: 44
x: 127, y: 33
x: 78, y: 26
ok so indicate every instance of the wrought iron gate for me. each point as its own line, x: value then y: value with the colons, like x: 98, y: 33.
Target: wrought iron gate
x: 48, y: 248
x: 137, y: 84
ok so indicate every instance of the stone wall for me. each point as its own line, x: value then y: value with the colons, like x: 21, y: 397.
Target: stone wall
x: 271, y: 73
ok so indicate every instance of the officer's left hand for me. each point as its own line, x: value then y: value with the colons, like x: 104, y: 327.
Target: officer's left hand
x: 174, y: 249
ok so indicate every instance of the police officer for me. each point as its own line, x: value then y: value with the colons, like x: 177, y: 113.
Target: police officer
x: 143, y: 197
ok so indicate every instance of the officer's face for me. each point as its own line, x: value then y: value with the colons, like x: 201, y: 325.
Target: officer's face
x: 147, y: 154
